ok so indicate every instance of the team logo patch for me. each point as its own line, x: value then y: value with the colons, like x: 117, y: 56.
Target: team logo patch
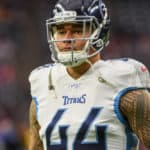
x: 74, y: 100
x: 144, y: 69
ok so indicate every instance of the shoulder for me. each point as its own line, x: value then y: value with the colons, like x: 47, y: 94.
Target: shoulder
x: 128, y: 65
x: 129, y: 71
x: 40, y: 71
x: 39, y: 80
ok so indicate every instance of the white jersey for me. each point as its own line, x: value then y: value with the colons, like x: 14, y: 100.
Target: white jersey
x: 84, y: 114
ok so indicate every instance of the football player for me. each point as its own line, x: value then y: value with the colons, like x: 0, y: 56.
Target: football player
x: 82, y: 102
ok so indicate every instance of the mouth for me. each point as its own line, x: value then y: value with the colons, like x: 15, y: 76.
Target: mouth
x: 66, y: 49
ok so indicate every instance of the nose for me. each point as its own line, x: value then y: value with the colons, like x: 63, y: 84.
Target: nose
x: 68, y: 34
x: 68, y: 37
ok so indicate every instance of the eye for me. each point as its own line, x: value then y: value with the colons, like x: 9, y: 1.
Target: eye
x: 61, y: 32
x: 77, y: 31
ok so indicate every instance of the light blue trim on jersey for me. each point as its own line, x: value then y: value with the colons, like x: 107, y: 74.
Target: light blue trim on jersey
x: 36, y: 103
x: 132, y: 140
x: 117, y: 101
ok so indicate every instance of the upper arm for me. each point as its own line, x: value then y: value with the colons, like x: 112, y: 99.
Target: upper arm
x: 34, y: 141
x: 135, y: 106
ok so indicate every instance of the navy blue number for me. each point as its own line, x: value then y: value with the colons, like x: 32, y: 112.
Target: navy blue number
x: 100, y: 134
x: 62, y: 131
x: 79, y: 143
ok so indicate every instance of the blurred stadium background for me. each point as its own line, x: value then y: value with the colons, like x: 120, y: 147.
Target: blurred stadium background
x: 23, y: 46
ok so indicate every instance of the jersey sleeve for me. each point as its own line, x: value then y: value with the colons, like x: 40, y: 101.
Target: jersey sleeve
x: 39, y: 80
x: 135, y: 76
x: 141, y: 76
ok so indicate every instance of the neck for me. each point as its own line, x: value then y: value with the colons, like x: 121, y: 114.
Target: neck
x: 78, y: 71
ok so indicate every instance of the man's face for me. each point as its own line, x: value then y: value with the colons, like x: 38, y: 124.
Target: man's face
x: 67, y: 32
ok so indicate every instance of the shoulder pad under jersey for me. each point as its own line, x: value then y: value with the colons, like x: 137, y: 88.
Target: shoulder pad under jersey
x: 39, y: 79
x: 140, y: 72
